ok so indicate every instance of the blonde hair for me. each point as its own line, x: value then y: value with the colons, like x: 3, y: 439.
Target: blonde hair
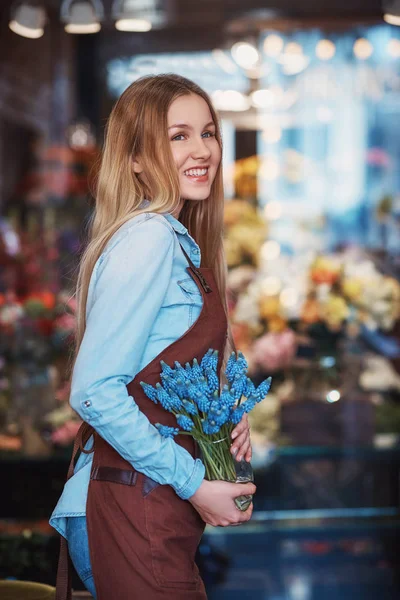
x: 137, y: 126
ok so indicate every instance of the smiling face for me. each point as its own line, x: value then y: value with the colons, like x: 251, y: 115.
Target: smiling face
x: 195, y: 149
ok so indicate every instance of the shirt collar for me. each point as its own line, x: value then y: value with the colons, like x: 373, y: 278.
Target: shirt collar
x: 177, y: 225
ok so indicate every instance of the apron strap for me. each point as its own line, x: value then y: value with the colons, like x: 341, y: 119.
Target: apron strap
x: 187, y: 257
x: 197, y: 272
x: 63, y: 584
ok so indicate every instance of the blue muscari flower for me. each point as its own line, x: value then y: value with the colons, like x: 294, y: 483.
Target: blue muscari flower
x: 239, y: 385
x: 164, y: 398
x: 202, y: 385
x: 179, y: 387
x: 227, y: 398
x: 210, y: 427
x: 236, y: 365
x: 181, y: 373
x: 218, y: 413
x: 190, y: 407
x: 191, y: 391
x: 249, y: 404
x: 263, y: 389
x: 196, y: 372
x: 166, y: 369
x: 249, y: 388
x: 167, y: 432
x: 213, y: 361
x: 167, y: 382
x: 232, y: 368
x: 236, y: 415
x: 176, y: 402
x: 185, y: 422
x: 205, y: 361
x: 202, y: 401
x: 212, y: 380
x: 188, y: 370
x: 149, y: 391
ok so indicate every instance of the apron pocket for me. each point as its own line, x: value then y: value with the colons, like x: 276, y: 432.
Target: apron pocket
x: 174, y: 529
x: 114, y: 475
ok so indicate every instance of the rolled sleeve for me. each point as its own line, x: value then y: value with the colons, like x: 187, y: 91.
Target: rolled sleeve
x: 131, y: 282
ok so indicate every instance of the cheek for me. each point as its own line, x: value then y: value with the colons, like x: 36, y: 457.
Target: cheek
x: 217, y: 154
x: 179, y: 155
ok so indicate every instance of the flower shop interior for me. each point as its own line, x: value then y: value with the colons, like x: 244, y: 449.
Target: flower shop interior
x: 308, y: 98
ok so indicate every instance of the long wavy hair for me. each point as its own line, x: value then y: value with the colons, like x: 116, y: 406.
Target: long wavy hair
x: 138, y: 126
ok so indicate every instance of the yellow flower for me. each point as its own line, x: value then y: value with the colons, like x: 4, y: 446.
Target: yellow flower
x: 352, y: 289
x: 269, y: 307
x: 335, y: 311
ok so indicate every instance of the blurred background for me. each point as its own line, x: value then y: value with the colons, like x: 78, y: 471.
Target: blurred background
x: 308, y: 96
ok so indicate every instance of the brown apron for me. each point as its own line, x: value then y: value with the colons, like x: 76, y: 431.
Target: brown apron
x: 142, y: 536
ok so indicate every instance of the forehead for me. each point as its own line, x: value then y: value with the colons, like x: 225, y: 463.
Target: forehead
x: 189, y: 109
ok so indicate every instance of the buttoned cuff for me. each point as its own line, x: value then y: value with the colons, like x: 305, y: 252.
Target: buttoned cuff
x: 193, y: 483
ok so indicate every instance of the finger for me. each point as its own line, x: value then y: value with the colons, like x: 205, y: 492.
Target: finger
x: 249, y: 453
x: 243, y: 450
x: 246, y: 515
x: 239, y: 443
x: 240, y: 489
x: 245, y: 489
x: 241, y: 426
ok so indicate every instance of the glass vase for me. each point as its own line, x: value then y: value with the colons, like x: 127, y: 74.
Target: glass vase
x: 221, y: 465
x: 244, y: 474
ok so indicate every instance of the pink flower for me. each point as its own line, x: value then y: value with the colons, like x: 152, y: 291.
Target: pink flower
x: 274, y: 351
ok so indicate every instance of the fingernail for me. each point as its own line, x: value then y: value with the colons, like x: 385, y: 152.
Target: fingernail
x: 234, y: 434
x: 235, y: 452
x: 240, y: 457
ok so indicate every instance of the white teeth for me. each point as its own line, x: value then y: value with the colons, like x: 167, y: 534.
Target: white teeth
x: 196, y: 172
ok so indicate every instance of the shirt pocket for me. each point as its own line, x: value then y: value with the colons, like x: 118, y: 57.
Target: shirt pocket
x: 189, y: 288
x: 191, y: 297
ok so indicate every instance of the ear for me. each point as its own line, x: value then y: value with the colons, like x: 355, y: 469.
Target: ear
x: 137, y: 166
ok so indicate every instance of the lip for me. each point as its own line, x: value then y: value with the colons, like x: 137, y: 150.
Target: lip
x: 197, y: 167
x: 200, y: 178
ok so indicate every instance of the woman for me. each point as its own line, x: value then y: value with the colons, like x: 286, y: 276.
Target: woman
x: 133, y: 511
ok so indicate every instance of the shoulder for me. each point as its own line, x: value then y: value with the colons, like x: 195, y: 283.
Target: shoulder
x: 142, y: 232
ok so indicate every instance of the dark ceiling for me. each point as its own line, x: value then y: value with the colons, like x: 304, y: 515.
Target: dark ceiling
x: 195, y: 13
x: 205, y: 24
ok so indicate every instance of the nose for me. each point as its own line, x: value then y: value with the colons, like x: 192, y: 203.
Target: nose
x: 200, y: 150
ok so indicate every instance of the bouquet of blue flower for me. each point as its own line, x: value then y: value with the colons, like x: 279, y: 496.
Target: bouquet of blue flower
x: 192, y: 393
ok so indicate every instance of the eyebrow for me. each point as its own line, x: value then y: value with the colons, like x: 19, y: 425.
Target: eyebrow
x: 185, y: 126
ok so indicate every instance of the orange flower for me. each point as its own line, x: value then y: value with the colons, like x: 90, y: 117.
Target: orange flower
x: 269, y: 307
x: 310, y: 311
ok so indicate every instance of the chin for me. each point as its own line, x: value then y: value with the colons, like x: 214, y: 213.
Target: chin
x: 198, y: 195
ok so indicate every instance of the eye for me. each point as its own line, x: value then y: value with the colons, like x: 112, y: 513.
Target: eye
x: 208, y: 134
x: 178, y: 137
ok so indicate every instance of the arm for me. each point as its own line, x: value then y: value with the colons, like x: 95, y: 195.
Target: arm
x: 131, y: 283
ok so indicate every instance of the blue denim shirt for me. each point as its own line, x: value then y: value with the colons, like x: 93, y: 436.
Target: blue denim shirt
x: 140, y: 300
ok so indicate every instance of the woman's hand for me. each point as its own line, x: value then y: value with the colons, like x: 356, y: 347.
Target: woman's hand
x: 214, y: 501
x: 241, y: 447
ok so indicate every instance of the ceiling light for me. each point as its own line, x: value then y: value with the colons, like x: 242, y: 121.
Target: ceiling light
x: 28, y: 19
x: 392, y: 12
x: 273, y: 45
x: 363, y: 48
x: 325, y: 50
x: 139, y: 15
x: 393, y: 48
x: 246, y: 55
x: 230, y: 100
x: 82, y: 16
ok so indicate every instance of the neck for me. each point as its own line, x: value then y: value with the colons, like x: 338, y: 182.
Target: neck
x: 177, y: 212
